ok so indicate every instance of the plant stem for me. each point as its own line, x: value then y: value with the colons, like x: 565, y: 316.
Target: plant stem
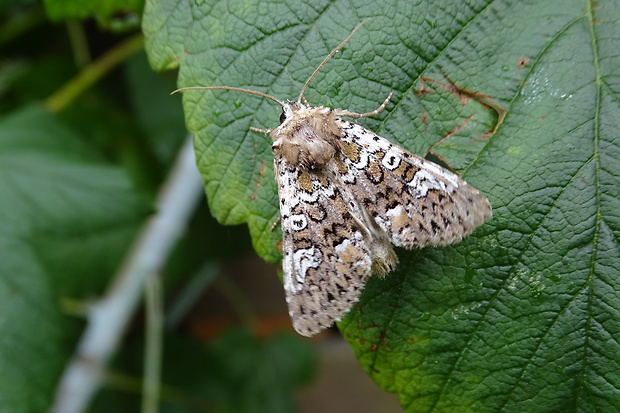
x: 153, y: 347
x: 108, y: 318
x: 92, y: 73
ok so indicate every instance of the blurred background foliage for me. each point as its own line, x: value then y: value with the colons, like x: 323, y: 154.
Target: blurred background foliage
x: 88, y: 133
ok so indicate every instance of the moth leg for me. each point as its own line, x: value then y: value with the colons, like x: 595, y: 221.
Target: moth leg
x: 355, y: 115
x: 275, y: 223
x: 265, y: 131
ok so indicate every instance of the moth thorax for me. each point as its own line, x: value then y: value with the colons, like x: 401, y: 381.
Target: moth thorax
x: 307, y: 152
x: 301, y: 141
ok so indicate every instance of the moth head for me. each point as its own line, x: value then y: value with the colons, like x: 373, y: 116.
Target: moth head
x: 289, y: 109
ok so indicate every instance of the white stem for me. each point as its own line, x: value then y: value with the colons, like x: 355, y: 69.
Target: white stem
x: 108, y: 318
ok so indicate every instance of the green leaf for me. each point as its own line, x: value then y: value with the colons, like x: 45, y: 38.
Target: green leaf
x: 64, y: 214
x: 250, y: 375
x: 236, y: 372
x: 524, y: 314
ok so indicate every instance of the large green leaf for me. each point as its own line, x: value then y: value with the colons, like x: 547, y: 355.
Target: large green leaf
x: 65, y: 219
x: 524, y: 314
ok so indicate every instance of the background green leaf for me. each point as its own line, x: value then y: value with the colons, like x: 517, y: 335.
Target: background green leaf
x: 523, y: 315
x: 78, y: 178
x: 118, y: 14
x: 236, y: 372
x: 66, y: 219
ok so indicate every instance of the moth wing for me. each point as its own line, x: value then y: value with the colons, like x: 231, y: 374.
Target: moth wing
x: 326, y: 260
x: 415, y: 201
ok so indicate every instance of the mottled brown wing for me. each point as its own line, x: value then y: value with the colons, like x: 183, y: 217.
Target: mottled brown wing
x: 326, y: 260
x: 415, y: 201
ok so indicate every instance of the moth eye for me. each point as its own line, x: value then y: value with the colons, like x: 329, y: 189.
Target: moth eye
x: 282, y: 117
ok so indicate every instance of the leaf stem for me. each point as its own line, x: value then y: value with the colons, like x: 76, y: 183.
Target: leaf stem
x: 154, y: 344
x: 92, y: 73
x: 79, y: 45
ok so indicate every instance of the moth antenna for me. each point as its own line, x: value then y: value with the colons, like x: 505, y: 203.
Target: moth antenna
x: 236, y: 89
x: 329, y: 56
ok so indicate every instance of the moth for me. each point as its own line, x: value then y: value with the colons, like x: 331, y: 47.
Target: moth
x: 346, y: 197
